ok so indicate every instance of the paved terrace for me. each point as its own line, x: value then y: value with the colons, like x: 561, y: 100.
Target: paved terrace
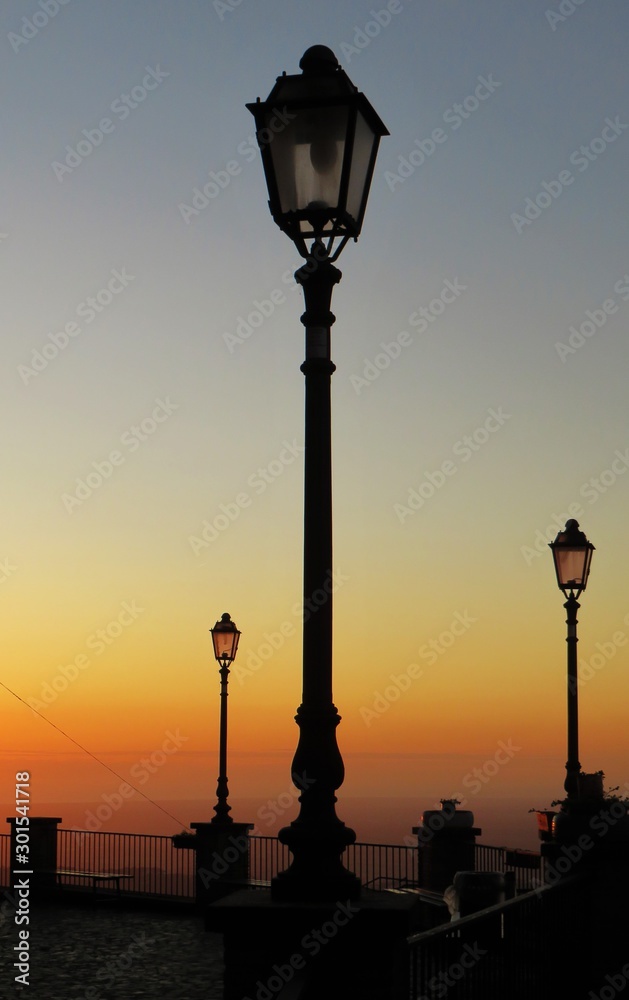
x: 98, y: 951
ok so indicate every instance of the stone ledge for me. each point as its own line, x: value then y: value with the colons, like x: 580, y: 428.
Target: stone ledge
x: 341, y: 949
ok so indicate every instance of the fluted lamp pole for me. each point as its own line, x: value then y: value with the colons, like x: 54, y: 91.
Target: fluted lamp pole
x: 225, y: 638
x: 572, y: 554
x: 318, y: 138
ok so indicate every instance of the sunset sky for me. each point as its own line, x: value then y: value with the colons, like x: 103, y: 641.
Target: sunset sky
x: 152, y: 403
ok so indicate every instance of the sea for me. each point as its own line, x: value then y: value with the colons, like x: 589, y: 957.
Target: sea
x: 503, y: 822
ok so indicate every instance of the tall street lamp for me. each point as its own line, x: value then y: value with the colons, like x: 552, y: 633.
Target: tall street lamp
x: 572, y: 554
x: 318, y: 138
x: 225, y: 638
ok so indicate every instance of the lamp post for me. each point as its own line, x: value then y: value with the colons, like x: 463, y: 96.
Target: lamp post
x: 318, y: 138
x: 225, y: 638
x: 572, y: 554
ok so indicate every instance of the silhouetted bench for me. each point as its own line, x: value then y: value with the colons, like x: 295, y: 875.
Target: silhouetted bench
x: 97, y: 878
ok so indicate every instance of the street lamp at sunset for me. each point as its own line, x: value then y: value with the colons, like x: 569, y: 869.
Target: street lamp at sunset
x: 318, y: 138
x: 225, y: 638
x: 572, y: 554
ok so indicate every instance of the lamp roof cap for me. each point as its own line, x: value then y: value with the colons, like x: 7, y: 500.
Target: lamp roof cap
x: 318, y: 59
x: 572, y: 535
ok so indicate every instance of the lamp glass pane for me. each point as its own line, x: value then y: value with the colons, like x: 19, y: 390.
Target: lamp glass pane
x: 364, y: 141
x: 225, y: 643
x: 571, y: 565
x: 308, y: 159
x: 308, y: 227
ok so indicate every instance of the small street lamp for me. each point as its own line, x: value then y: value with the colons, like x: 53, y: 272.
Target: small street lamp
x: 318, y: 137
x: 225, y: 638
x: 572, y: 554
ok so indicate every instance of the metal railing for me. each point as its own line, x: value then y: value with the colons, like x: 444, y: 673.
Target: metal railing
x: 516, y: 949
x: 489, y: 859
x: 389, y: 865
x: 377, y: 865
x: 381, y: 866
x: 267, y: 857
x: 160, y: 869
x: 157, y: 867
x: 5, y: 859
x: 527, y: 866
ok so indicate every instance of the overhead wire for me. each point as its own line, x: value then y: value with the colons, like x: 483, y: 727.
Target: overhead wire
x: 94, y: 757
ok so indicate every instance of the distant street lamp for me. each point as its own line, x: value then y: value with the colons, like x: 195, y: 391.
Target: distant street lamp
x: 572, y: 554
x: 225, y: 638
x: 318, y: 138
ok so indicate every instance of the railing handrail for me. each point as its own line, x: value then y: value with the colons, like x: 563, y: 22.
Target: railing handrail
x: 263, y: 836
x: 488, y: 911
x: 112, y: 833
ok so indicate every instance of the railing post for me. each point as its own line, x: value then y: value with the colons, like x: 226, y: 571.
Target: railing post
x: 42, y: 851
x: 446, y: 843
x: 221, y: 856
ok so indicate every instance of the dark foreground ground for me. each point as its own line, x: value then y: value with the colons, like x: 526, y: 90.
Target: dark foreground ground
x: 100, y: 952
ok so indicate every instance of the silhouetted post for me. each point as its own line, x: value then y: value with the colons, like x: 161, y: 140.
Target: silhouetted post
x: 317, y: 838
x: 446, y: 841
x: 572, y: 554
x: 225, y: 638
x: 318, y: 138
x: 573, y: 765
x: 221, y: 846
x: 41, y: 836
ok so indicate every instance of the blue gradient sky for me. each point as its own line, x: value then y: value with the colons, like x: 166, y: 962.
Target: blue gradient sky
x: 228, y: 409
